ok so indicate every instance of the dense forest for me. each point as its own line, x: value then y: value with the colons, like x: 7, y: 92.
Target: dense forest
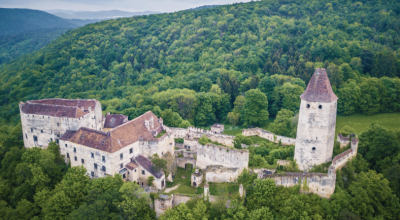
x: 23, y: 31
x: 238, y: 64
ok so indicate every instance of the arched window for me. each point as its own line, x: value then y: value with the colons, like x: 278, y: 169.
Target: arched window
x: 320, y: 106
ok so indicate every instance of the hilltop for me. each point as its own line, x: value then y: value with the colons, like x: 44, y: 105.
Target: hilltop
x: 236, y: 47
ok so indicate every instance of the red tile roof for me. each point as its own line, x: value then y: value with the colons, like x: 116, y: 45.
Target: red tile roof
x: 115, y: 120
x: 343, y: 154
x: 67, y: 108
x: 132, y: 165
x: 319, y: 88
x: 119, y: 137
x: 149, y: 166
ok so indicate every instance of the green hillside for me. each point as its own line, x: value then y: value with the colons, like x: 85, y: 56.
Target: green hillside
x: 234, y: 46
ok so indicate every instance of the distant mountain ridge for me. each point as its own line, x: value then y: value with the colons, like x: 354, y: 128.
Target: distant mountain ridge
x: 13, y: 21
x: 102, y: 15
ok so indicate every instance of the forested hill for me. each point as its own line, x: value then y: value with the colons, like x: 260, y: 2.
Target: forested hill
x: 234, y: 46
x: 13, y: 21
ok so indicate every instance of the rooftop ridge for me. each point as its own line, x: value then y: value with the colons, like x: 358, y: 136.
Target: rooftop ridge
x: 129, y: 122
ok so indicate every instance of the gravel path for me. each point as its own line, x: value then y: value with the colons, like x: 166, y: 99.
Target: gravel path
x: 167, y: 190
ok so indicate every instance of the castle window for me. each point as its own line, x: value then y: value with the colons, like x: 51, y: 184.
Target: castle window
x: 51, y: 139
x: 131, y: 150
x: 58, y: 124
x: 66, y: 145
x: 35, y: 138
x: 103, y: 168
x: 104, y: 158
x: 313, y: 148
x: 82, y: 160
x: 76, y: 159
x: 320, y: 106
x: 92, y: 173
x: 121, y: 165
x: 57, y: 141
x: 92, y: 154
x: 143, y: 173
x: 74, y: 149
x: 308, y: 105
x: 95, y: 166
x: 67, y: 155
x: 41, y: 131
x: 121, y: 156
x: 31, y: 130
x: 26, y: 136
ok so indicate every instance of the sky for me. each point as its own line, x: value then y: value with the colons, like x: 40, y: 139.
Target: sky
x: 123, y: 5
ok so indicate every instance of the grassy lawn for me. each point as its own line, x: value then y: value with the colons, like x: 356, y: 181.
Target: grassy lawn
x: 182, y: 177
x: 161, y: 134
x: 361, y: 122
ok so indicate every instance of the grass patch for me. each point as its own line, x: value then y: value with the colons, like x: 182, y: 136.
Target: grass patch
x: 361, y: 123
x: 200, y: 190
x: 184, y: 189
x: 182, y: 177
x: 161, y: 134
x: 223, y: 189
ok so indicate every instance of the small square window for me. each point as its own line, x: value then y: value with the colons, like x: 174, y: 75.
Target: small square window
x: 103, y: 168
x: 131, y: 150
x: 35, y: 138
x: 66, y: 145
x: 95, y: 166
x: 82, y: 160
x: 76, y: 159
x: 143, y: 173
x: 92, y: 155
x: 92, y: 173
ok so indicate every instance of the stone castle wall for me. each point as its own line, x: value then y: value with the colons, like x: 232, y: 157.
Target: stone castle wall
x: 269, y: 136
x: 211, y: 154
x: 218, y: 174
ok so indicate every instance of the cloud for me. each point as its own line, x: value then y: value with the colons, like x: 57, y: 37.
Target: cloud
x: 125, y: 5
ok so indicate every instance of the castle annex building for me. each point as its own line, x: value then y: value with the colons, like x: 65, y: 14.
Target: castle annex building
x: 46, y: 120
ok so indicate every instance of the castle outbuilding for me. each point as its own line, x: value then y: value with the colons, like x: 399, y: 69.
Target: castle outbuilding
x: 317, y: 122
x: 46, y: 120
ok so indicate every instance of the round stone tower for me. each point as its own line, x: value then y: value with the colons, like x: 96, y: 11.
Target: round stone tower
x: 317, y: 121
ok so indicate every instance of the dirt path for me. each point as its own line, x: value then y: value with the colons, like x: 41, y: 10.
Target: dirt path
x: 172, y: 188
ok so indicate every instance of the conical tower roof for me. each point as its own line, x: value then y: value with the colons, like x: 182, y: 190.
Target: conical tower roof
x: 319, y: 88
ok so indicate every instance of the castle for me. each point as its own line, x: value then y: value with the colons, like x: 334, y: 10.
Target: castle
x: 111, y: 144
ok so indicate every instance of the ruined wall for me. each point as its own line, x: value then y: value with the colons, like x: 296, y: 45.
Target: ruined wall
x: 211, y: 154
x: 163, y: 203
x: 344, y: 141
x: 221, y: 174
x: 340, y: 160
x: 319, y: 183
x: 181, y: 161
x: 269, y: 136
x: 160, y: 146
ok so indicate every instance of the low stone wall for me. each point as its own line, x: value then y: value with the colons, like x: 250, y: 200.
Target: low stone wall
x: 319, y: 183
x: 344, y: 141
x: 218, y: 174
x: 269, y: 136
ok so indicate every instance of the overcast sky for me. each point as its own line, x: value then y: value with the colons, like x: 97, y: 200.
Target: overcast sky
x: 124, y: 5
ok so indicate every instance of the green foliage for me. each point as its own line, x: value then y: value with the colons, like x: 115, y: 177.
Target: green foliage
x: 150, y: 180
x: 283, y: 124
x: 241, y: 139
x: 255, y: 109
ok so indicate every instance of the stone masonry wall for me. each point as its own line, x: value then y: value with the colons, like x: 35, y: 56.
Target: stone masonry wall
x: 269, y: 136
